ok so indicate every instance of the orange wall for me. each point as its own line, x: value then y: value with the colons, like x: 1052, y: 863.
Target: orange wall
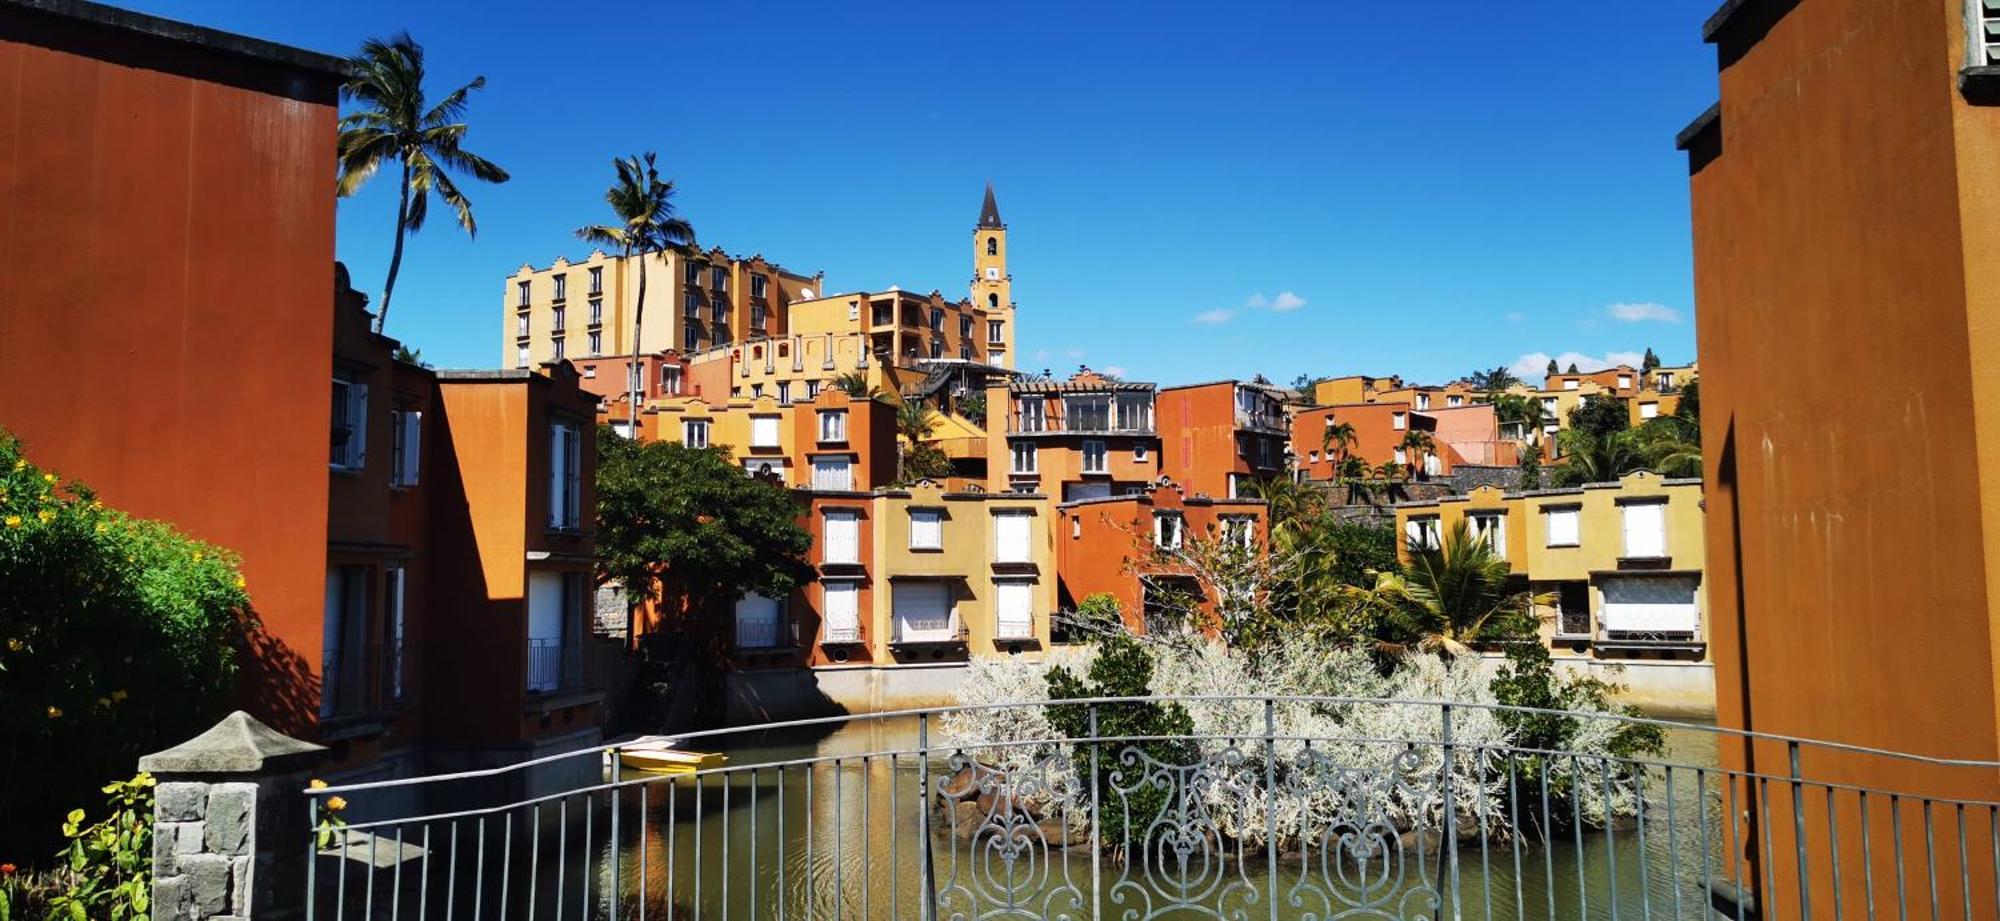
x: 172, y: 220
x: 1376, y: 437
x: 1105, y: 545
x: 1200, y: 445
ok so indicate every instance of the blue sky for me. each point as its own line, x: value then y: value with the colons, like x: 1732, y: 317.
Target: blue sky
x: 1194, y: 191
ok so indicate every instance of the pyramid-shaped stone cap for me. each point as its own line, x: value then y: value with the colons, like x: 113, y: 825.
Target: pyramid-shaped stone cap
x: 239, y: 744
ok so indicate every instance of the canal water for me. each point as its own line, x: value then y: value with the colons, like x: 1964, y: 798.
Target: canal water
x: 838, y: 838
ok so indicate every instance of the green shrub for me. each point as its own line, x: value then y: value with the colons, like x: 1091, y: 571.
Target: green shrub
x: 108, y: 866
x: 1123, y: 668
x: 118, y: 636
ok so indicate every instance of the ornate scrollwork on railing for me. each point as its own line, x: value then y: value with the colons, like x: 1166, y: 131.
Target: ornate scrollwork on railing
x: 1356, y: 860
x: 1006, y: 828
x: 1176, y: 860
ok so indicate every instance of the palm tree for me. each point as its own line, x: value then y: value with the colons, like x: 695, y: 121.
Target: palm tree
x: 855, y: 384
x: 1293, y: 507
x: 1338, y: 435
x: 1449, y: 596
x: 391, y: 124
x: 1591, y: 458
x: 1419, y: 445
x: 1493, y: 381
x: 1670, y: 446
x: 1354, y: 471
x: 915, y: 419
x: 647, y: 223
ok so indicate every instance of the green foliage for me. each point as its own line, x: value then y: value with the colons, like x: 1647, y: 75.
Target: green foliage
x: 1358, y: 548
x: 1650, y: 362
x: 973, y: 407
x: 1598, y: 415
x: 690, y: 516
x: 118, y: 636
x: 924, y: 462
x: 1447, y: 598
x: 1493, y: 381
x: 410, y: 356
x: 1123, y: 668
x: 107, y: 866
x: 1528, y: 680
x: 1531, y: 467
x: 855, y: 384
x: 1689, y: 407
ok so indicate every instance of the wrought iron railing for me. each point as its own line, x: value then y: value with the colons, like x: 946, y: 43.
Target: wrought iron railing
x: 1076, y: 810
x: 554, y: 665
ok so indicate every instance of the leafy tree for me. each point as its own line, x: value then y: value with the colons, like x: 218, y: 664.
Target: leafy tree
x: 1531, y: 466
x: 410, y: 356
x: 1553, y: 370
x: 1689, y: 407
x: 915, y: 420
x: 1493, y: 381
x: 1302, y: 383
x: 972, y: 406
x: 1669, y: 445
x: 647, y: 222
x: 1591, y: 458
x: 391, y: 124
x: 1599, y: 414
x: 1418, y: 445
x: 1353, y: 471
x: 1122, y: 668
x: 1358, y: 549
x: 1448, y: 597
x: 118, y: 636
x: 924, y: 462
x: 1572, y: 368
x: 689, y: 518
x: 1650, y: 362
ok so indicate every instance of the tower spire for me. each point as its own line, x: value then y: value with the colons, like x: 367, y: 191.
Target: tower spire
x: 989, y: 213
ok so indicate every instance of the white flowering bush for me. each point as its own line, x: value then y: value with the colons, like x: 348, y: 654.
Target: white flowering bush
x: 1373, y: 754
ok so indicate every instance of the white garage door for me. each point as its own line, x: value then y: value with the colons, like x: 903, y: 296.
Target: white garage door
x: 1651, y: 604
x: 923, y: 612
x: 756, y: 622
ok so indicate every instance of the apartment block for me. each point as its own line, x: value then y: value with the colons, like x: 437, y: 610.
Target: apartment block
x: 1124, y: 545
x: 1622, y: 562
x: 1381, y: 433
x: 1084, y: 437
x: 1216, y: 438
x: 831, y: 442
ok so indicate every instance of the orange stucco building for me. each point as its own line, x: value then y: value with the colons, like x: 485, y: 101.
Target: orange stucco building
x: 1379, y: 433
x: 1841, y: 199
x: 1217, y: 437
x: 1113, y: 544
x: 1084, y: 437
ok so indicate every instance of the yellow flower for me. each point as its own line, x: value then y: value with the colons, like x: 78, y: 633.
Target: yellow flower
x: 46, y: 515
x: 14, y: 644
x: 48, y: 477
x: 55, y: 713
x: 239, y: 582
x: 197, y: 556
x: 316, y: 784
x: 13, y: 521
x: 335, y: 803
x: 117, y: 697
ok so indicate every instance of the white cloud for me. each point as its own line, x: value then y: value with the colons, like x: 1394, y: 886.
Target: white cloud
x: 1533, y: 365
x: 1041, y: 354
x: 1643, y: 312
x: 1113, y: 370
x: 1515, y: 316
x: 1216, y: 317
x: 1286, y: 302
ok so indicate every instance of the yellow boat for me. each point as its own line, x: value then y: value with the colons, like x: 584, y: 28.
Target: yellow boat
x: 659, y: 758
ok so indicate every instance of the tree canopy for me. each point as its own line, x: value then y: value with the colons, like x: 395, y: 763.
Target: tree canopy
x: 690, y: 516
x: 1598, y: 415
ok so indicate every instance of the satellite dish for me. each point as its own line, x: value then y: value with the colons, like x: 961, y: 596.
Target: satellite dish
x: 805, y: 294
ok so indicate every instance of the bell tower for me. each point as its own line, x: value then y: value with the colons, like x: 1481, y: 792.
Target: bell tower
x: 992, y: 287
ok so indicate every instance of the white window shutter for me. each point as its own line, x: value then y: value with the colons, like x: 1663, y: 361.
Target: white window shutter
x: 1012, y: 530
x: 573, y: 476
x: 413, y: 433
x: 357, y: 416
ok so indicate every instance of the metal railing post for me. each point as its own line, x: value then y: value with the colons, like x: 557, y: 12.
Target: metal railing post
x: 1450, y: 812
x: 1096, y: 825
x: 617, y: 843
x: 929, y: 872
x: 312, y: 854
x: 1271, y: 804
x: 1799, y: 830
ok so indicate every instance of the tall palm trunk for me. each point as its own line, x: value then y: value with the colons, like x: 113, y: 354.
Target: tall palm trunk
x: 395, y: 257
x: 638, y: 313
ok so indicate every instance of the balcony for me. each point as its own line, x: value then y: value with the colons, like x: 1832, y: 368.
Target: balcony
x: 555, y: 667
x: 1061, y: 424
x: 1269, y: 423
x: 843, y: 635
x: 363, y: 687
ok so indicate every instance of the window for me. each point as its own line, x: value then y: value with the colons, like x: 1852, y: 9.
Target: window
x: 1572, y: 384
x: 758, y: 284
x: 670, y: 379
x: 1645, y: 529
x: 964, y: 327
x: 565, y: 477
x: 1135, y: 412
x: 1423, y: 401
x: 1649, y: 410
x: 1549, y: 406
x: 1239, y: 531
x: 992, y: 246
x: 522, y: 326
x: 1399, y: 421
x: 853, y: 311
x: 694, y: 433
x: 1402, y: 455
x: 562, y: 287
x: 521, y: 357
x: 1490, y: 527
x: 784, y: 393
x: 718, y: 313
x: 1421, y: 533
x: 1139, y: 454
x: 393, y: 581
x: 843, y: 537
x: 1034, y: 415
x: 407, y: 449
x: 557, y: 347
x: 691, y: 272
x: 1236, y: 481
x: 812, y: 390
x: 555, y: 627
x: 1012, y: 537
x: 757, y: 622
x: 833, y: 425
x: 937, y: 319
x: 1024, y: 457
x: 763, y: 431
x: 691, y: 305
x: 1651, y: 605
x: 1563, y: 526
x: 1624, y: 381
x: 756, y: 390
x: 691, y: 340
x: 923, y: 612
x: 350, y: 424
x: 596, y: 312
x: 757, y: 316
x: 1014, y: 604
x: 718, y: 278
x: 1454, y: 401
x: 965, y: 350
x: 344, y: 629
x: 590, y: 373
x: 1573, y: 609
x: 521, y: 294
x: 1094, y: 457
x: 937, y: 348
x: 926, y: 529
x: 596, y: 343
x: 1088, y: 413
x: 833, y: 472
x: 1664, y: 380
x: 1167, y: 527
x: 843, y: 613
x: 596, y: 283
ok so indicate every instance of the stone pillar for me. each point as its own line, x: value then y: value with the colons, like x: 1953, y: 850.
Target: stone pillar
x: 229, y: 823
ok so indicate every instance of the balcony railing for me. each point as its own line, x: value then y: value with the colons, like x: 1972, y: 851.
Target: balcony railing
x: 1290, y: 807
x: 1019, y: 423
x: 554, y: 666
x: 360, y: 681
x: 843, y: 633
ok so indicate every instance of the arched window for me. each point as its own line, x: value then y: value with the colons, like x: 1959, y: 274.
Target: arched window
x: 993, y: 302
x: 992, y: 246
